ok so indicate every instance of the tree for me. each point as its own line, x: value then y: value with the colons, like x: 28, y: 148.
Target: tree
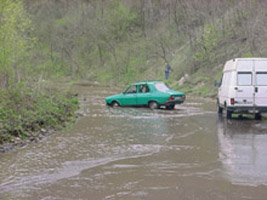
x: 15, y: 40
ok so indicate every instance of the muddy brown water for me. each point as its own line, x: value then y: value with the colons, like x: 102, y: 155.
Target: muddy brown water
x: 136, y: 153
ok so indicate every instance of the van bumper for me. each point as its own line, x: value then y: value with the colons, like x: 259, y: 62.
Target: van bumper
x: 247, y: 109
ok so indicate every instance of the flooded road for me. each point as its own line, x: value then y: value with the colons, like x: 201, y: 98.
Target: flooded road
x: 137, y: 153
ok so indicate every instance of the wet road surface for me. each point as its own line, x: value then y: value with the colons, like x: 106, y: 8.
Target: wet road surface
x: 137, y: 153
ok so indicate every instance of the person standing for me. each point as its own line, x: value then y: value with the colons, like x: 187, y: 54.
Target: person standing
x: 167, y: 70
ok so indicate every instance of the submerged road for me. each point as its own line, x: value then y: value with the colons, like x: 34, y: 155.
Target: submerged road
x: 137, y: 153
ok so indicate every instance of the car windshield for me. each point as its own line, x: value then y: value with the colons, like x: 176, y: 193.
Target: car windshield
x: 162, y: 87
x: 131, y: 89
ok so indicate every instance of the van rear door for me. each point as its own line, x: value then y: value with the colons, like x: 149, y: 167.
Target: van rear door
x: 261, y: 83
x: 245, y: 90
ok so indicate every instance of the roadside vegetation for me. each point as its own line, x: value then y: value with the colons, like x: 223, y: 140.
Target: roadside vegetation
x: 28, y: 106
x: 25, y: 113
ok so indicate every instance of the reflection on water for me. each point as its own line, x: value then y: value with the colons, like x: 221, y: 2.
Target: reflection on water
x: 243, y: 150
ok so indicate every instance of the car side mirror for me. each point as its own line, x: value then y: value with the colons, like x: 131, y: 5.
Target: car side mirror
x: 217, y: 83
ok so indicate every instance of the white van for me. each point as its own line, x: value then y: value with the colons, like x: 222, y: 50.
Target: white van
x: 243, y: 87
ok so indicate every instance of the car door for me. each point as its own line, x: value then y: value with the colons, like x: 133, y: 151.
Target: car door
x: 245, y: 89
x: 261, y: 83
x: 129, y: 96
x: 143, y: 95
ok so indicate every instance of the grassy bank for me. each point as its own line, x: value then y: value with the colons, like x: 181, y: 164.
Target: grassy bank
x: 25, y: 112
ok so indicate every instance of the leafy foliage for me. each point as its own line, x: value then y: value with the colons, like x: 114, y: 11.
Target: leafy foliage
x: 207, y: 43
x: 23, y: 111
x: 128, y: 39
x: 15, y: 29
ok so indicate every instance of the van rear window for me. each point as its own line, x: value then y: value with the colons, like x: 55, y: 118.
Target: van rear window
x: 244, y: 78
x: 261, y: 78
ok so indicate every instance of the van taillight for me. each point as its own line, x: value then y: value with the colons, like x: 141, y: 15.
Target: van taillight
x: 232, y: 101
x: 184, y: 98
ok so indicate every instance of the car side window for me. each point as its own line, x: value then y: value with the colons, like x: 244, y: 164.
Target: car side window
x: 143, y: 89
x: 131, y: 90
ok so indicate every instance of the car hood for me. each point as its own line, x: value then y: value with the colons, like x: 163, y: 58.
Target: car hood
x: 174, y: 93
x: 114, y: 96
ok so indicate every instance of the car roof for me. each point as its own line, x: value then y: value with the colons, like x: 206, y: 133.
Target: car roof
x: 146, y: 82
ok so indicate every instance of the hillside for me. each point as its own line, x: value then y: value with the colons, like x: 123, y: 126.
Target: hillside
x: 118, y: 41
x: 121, y: 41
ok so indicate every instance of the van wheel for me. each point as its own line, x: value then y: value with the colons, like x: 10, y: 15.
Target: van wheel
x: 219, y: 109
x: 228, y: 114
x: 153, y: 105
x: 258, y: 116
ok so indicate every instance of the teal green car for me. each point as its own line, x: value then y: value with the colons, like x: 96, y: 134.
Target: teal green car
x: 153, y: 94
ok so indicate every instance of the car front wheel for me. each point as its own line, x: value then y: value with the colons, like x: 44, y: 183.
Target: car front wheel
x: 153, y: 105
x: 115, y: 104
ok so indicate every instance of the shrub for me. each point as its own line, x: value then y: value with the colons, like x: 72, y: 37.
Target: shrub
x: 23, y: 111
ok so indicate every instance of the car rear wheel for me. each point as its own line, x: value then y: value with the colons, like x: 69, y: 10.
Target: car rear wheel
x: 170, y: 107
x: 153, y: 105
x: 115, y: 104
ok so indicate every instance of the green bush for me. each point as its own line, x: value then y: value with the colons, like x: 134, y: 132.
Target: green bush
x: 23, y: 111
